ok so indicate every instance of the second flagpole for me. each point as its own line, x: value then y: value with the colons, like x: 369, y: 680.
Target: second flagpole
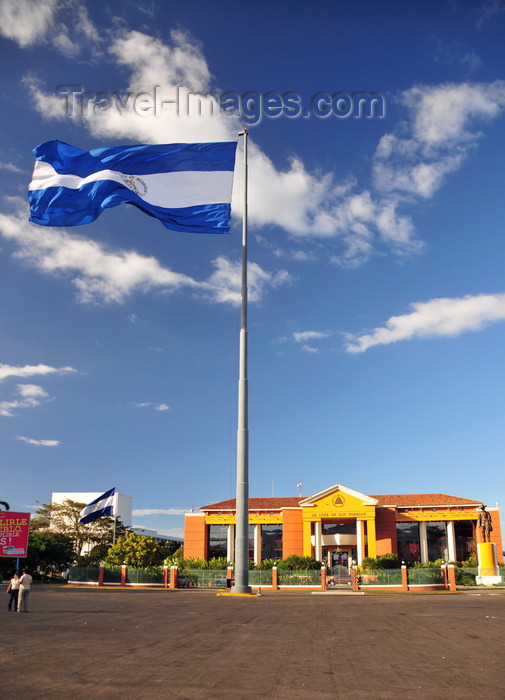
x: 241, y: 583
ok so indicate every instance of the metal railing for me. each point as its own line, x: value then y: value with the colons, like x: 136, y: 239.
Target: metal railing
x: 380, y: 577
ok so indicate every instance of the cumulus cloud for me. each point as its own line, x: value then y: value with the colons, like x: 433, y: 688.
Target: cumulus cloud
x: 224, y: 285
x: 102, y: 275
x: 31, y: 395
x: 444, y: 317
x: 63, y: 26
x: 441, y: 130
x: 39, y: 443
x: 26, y: 21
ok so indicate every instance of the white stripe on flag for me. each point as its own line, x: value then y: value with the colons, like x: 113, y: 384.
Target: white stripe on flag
x: 170, y: 190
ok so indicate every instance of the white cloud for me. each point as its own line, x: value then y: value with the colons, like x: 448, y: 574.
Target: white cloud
x: 57, y: 24
x: 98, y: 274
x: 310, y: 349
x: 443, y: 114
x: 225, y: 283
x: 437, y: 137
x: 31, y: 370
x: 10, y: 166
x: 175, y: 69
x: 302, y: 337
x: 31, y: 396
x: 26, y: 21
x: 102, y: 275
x: 39, y: 443
x: 32, y: 392
x: 444, y: 317
x: 151, y: 404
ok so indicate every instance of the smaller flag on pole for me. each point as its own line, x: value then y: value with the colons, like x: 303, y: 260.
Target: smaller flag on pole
x: 103, y: 505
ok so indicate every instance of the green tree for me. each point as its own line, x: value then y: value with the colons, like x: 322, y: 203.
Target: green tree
x: 138, y: 551
x: 387, y: 561
x: 296, y: 561
x: 49, y: 553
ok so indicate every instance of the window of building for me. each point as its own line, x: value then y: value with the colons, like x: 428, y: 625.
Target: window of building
x: 436, y: 534
x: 408, y: 542
x: 271, y: 541
x: 218, y: 541
x: 339, y: 528
x: 465, y: 539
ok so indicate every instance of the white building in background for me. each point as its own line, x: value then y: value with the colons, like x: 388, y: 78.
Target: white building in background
x: 124, y: 503
x: 145, y: 532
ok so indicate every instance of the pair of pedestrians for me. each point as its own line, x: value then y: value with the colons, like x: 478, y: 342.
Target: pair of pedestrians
x: 19, y: 590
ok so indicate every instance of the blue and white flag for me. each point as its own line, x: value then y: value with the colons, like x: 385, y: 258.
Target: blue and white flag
x: 187, y: 186
x: 103, y: 505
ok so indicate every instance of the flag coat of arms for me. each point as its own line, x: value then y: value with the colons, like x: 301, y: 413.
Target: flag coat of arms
x: 103, y: 505
x: 187, y: 186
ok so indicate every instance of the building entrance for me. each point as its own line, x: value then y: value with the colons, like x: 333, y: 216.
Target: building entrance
x: 338, y: 556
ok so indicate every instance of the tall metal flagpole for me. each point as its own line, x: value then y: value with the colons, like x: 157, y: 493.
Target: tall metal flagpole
x: 241, y: 584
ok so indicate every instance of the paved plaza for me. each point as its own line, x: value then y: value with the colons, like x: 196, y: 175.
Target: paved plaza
x: 106, y: 643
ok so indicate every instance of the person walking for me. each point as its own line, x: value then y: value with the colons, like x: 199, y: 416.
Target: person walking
x: 13, y: 591
x: 25, y: 583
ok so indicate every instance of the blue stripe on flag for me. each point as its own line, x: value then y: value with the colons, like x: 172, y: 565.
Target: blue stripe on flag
x: 138, y: 159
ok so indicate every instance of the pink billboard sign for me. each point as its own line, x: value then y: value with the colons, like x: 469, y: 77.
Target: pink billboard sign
x: 14, y: 529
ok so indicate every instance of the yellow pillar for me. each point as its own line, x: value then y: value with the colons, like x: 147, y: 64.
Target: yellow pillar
x: 487, y: 559
x: 372, y: 538
x: 307, y: 544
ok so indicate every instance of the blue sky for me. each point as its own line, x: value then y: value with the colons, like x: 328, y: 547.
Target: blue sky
x: 376, y: 248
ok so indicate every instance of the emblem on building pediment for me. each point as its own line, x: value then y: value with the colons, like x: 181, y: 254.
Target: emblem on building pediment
x: 339, y: 500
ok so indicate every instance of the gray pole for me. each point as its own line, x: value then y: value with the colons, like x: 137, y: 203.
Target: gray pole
x: 241, y: 584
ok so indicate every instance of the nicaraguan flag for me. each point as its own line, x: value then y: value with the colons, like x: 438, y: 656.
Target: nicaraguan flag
x: 187, y: 186
x: 103, y: 505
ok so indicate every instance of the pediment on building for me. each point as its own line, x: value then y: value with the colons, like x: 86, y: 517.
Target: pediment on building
x: 340, y: 500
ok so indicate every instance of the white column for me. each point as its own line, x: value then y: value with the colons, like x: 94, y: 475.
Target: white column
x: 451, y: 540
x: 318, y: 543
x: 359, y: 542
x: 423, y: 537
x: 230, y: 543
x: 257, y: 544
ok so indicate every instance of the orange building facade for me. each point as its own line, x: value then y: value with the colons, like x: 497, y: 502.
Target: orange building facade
x: 341, y: 526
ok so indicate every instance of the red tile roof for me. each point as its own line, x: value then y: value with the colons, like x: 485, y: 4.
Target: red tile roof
x: 272, y: 503
x: 405, y: 500
x: 402, y: 500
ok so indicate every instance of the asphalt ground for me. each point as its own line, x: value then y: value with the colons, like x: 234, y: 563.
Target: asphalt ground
x: 106, y: 643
